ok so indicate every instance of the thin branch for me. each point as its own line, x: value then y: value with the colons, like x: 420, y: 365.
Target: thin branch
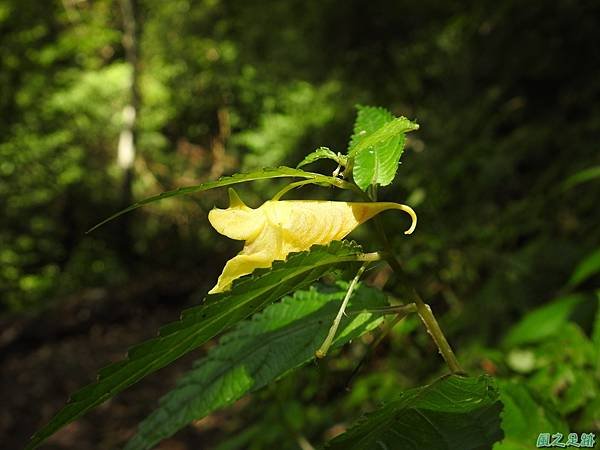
x: 433, y: 328
x: 322, y: 351
x: 323, y: 179
x: 396, y: 309
x: 291, y: 186
x: 303, y: 443
x: 425, y: 313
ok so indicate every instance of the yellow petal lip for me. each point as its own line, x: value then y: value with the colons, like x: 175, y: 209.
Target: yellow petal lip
x: 411, y: 213
x: 278, y: 228
x: 241, y: 224
x: 372, y: 209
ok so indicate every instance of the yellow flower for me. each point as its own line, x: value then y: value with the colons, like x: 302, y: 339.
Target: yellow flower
x: 280, y: 227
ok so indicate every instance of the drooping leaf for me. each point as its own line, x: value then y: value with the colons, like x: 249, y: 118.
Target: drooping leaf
x: 543, y: 322
x: 586, y: 268
x: 283, y: 337
x: 452, y: 413
x: 322, y: 153
x: 377, y: 156
x: 525, y: 416
x: 279, y: 172
x: 368, y: 120
x: 201, y: 323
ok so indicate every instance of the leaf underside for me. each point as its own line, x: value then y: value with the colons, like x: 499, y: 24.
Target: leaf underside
x: 256, y: 353
x: 452, y: 413
x: 197, y: 325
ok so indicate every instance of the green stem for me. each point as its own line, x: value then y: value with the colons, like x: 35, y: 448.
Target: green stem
x: 291, y: 186
x: 320, y: 179
x: 433, y: 328
x: 373, y: 192
x: 424, y: 311
x: 403, y: 310
x: 321, y: 352
x: 303, y: 442
x: 368, y: 257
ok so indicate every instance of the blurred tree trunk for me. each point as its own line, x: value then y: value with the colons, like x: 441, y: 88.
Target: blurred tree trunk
x: 218, y: 143
x: 128, y: 137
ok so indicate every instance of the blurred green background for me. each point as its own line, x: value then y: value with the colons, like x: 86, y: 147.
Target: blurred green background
x: 503, y: 175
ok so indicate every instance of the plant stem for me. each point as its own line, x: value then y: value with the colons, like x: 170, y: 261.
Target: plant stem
x: 318, y: 179
x: 433, y: 328
x: 322, y: 351
x: 403, y: 310
x: 291, y: 186
x: 368, y: 257
x: 303, y: 443
x: 424, y: 311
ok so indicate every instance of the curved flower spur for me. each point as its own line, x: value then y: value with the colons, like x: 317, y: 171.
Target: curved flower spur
x: 279, y: 227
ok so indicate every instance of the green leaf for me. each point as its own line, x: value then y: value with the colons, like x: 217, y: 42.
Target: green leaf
x: 197, y: 325
x: 283, y: 337
x: 322, y: 153
x: 583, y: 176
x: 543, y: 322
x: 368, y: 120
x: 596, y: 336
x: 377, y: 156
x: 564, y: 370
x: 586, y: 268
x: 378, y: 165
x: 452, y: 413
x: 393, y: 127
x: 279, y: 172
x: 525, y: 415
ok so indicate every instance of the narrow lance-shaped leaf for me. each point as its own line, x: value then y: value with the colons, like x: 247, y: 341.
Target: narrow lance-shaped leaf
x: 258, y: 352
x: 452, y: 413
x: 279, y: 172
x: 583, y: 176
x: 199, y: 324
x: 587, y: 268
x: 543, y: 322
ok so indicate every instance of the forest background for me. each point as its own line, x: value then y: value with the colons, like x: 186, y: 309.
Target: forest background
x: 503, y: 173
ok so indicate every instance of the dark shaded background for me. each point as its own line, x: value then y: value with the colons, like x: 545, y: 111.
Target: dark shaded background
x: 507, y: 94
